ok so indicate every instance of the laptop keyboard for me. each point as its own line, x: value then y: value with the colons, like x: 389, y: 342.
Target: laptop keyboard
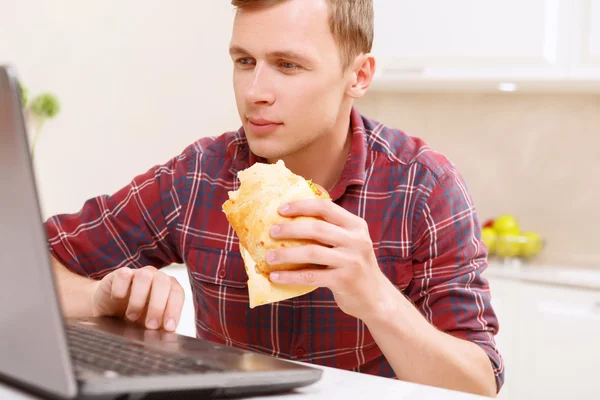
x: 114, y: 356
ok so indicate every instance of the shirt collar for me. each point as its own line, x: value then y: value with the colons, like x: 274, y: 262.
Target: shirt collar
x: 354, y: 172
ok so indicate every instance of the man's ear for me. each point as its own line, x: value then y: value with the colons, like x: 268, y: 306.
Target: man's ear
x: 362, y: 72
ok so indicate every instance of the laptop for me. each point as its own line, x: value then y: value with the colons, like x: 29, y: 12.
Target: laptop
x: 97, y: 358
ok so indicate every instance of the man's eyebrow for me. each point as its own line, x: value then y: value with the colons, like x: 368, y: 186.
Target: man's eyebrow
x: 237, y: 50
x: 274, y: 54
x: 289, y: 54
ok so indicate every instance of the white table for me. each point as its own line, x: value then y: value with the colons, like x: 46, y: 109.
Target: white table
x: 335, y: 384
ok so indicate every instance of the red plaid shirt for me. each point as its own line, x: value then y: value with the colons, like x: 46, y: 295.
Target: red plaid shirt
x: 421, y: 218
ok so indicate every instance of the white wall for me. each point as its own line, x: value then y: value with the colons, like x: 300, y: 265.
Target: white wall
x: 138, y: 81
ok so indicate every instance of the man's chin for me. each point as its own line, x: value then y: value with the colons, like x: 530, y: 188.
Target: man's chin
x: 269, y: 155
x: 268, y: 151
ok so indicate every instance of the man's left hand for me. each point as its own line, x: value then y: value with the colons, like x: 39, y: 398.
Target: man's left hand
x: 352, y: 272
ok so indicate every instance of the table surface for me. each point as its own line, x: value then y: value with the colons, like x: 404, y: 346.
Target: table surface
x: 556, y: 275
x: 334, y: 384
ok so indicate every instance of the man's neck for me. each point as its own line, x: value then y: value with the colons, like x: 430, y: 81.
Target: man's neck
x: 323, y: 161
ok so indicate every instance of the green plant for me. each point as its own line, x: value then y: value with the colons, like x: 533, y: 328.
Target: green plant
x: 24, y: 94
x: 43, y: 107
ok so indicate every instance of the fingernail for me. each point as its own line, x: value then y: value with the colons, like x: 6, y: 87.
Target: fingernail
x: 152, y: 324
x: 275, y: 229
x: 270, y: 256
x: 274, y: 276
x: 170, y: 325
x: 284, y: 207
x: 133, y: 316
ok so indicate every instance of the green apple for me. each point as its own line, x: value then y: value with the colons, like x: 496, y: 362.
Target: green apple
x: 506, y: 225
x: 531, y: 244
x: 488, y: 236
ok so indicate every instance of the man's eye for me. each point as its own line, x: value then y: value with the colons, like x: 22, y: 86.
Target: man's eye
x: 288, y: 65
x: 244, y: 61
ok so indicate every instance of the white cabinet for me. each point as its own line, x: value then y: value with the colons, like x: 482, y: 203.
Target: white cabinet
x: 586, y: 40
x: 550, y: 339
x: 561, y: 330
x: 505, y: 299
x: 463, y: 44
x: 474, y: 37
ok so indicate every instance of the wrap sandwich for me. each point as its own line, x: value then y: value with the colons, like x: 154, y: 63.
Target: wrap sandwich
x: 252, y: 210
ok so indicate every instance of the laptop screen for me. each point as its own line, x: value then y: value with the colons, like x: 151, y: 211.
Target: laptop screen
x: 33, y: 345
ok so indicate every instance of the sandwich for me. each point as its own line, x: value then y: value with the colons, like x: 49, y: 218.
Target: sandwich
x: 252, y: 210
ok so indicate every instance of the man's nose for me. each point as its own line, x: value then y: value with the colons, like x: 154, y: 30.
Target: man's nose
x: 259, y: 88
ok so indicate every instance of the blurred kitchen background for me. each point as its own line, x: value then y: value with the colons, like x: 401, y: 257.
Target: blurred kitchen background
x: 508, y: 90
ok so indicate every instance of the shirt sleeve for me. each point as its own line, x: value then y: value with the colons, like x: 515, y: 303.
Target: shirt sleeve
x: 134, y: 227
x: 448, y: 260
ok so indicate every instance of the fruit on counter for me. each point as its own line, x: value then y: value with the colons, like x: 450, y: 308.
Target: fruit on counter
x: 508, y: 246
x: 503, y: 237
x: 488, y: 236
x: 531, y: 244
x: 489, y: 223
x: 506, y: 225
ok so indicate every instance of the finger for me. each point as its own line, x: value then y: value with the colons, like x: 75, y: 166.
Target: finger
x: 140, y: 290
x: 174, y: 306
x: 320, y: 208
x: 159, y: 294
x: 121, y: 283
x: 321, y: 231
x: 306, y: 277
x: 310, y: 254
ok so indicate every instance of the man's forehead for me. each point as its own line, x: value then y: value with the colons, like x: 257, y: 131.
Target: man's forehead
x: 288, y: 19
x: 295, y: 26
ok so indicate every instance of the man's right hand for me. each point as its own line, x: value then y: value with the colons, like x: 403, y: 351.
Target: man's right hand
x: 145, y: 295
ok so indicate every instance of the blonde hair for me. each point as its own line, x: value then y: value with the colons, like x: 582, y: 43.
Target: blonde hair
x: 351, y: 23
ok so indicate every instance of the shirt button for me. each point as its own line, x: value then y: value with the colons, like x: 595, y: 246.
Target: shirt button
x: 300, y: 352
x: 222, y: 273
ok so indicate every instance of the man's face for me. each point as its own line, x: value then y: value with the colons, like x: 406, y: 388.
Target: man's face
x: 287, y: 76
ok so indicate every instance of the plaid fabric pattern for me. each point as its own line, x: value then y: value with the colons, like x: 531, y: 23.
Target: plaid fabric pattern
x: 422, y: 222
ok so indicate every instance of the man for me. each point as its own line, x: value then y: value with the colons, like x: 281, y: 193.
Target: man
x: 403, y: 295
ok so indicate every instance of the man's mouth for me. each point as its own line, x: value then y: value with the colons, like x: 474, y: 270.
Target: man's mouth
x: 262, y: 126
x: 261, y: 121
